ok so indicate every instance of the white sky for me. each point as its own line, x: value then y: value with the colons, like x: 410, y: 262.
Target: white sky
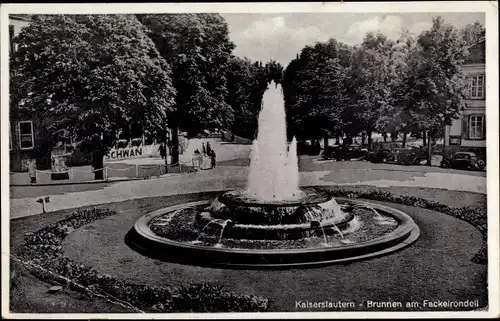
x: 281, y: 36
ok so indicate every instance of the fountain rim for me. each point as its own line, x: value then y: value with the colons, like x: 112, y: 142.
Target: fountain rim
x: 406, y: 227
x: 321, y: 197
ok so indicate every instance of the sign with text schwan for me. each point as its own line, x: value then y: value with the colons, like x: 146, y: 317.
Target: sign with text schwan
x: 126, y: 153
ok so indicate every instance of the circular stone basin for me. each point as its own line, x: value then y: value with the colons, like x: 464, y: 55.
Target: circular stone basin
x: 180, y: 234
x: 243, y: 217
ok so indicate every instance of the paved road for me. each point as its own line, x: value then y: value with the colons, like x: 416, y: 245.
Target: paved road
x: 23, y: 202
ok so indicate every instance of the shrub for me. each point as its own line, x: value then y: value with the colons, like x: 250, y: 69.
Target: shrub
x: 44, y: 257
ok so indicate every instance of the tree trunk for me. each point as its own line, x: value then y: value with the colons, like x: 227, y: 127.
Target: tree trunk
x: 98, y: 164
x: 424, y: 138
x: 404, y: 139
x: 325, y: 142
x: 370, y: 141
x: 166, y: 149
x: 175, y: 145
x: 363, y: 138
x: 429, y: 150
x: 394, y: 136
x: 384, y: 135
x: 97, y: 157
x: 337, y: 140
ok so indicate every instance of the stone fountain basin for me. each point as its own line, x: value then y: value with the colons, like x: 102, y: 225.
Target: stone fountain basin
x: 275, y: 232
x: 141, y: 239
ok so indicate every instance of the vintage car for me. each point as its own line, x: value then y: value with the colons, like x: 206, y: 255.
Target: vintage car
x: 464, y: 160
x: 380, y: 152
x: 407, y: 156
x: 304, y: 148
x: 345, y: 152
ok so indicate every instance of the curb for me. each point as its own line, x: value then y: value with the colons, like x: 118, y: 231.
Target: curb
x: 75, y: 183
x: 104, y: 181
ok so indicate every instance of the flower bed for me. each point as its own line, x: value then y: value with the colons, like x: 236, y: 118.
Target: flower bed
x: 477, y: 217
x: 44, y: 257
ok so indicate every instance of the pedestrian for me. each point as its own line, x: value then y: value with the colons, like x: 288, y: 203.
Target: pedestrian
x: 213, y: 158
x: 203, y: 149
x: 209, y: 149
x: 162, y: 150
x: 196, y: 158
x: 32, y: 171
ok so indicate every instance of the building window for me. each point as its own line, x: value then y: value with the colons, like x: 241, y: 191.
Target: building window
x: 26, y: 134
x: 476, y: 127
x: 477, y: 87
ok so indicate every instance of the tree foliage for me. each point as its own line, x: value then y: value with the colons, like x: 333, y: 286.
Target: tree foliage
x: 408, y: 85
x: 371, y: 81
x: 436, y: 84
x: 90, y: 75
x: 314, y: 86
x: 198, y: 48
x: 246, y: 84
x: 473, y: 33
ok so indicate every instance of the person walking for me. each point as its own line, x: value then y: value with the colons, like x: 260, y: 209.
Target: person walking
x: 213, y: 157
x: 32, y: 171
x: 162, y: 151
x: 203, y: 149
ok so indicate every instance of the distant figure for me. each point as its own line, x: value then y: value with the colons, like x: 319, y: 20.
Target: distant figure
x: 32, y: 171
x: 203, y: 149
x: 209, y: 149
x: 196, y: 158
x: 213, y: 158
x: 163, y: 151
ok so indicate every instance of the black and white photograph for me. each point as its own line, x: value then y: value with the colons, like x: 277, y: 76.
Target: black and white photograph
x: 240, y: 160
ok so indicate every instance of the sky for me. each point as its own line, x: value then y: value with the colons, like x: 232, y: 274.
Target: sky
x: 282, y: 36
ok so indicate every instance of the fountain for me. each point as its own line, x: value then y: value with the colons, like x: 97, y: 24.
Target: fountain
x: 273, y: 222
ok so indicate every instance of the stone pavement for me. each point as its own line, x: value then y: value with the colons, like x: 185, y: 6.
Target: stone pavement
x: 228, y: 177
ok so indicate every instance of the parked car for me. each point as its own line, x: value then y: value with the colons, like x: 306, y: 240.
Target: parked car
x: 378, y: 155
x: 406, y: 156
x: 345, y: 152
x: 464, y: 160
x: 308, y: 149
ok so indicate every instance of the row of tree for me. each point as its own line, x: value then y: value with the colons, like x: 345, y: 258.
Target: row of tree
x: 390, y: 87
x: 100, y: 78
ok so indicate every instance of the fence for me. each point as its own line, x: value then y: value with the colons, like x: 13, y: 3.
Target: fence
x: 110, y: 171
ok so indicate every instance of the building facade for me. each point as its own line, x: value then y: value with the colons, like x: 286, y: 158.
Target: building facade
x: 468, y: 133
x: 22, y: 129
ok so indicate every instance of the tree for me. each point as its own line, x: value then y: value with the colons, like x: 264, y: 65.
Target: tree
x: 436, y: 84
x: 198, y: 48
x: 274, y: 71
x: 90, y: 76
x: 473, y: 33
x: 369, y: 79
x: 393, y: 117
x: 246, y: 84
x: 314, y: 87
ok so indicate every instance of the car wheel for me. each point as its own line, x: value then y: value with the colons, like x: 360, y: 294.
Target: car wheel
x: 481, y: 165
